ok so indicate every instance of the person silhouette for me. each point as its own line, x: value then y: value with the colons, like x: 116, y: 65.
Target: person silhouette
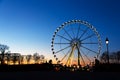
x: 96, y: 62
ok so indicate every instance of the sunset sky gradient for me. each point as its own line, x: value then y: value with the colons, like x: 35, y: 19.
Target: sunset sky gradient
x: 27, y: 26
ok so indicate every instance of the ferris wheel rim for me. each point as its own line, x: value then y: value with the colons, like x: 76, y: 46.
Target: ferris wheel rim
x: 72, y: 22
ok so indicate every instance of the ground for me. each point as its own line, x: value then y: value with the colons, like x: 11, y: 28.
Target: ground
x: 39, y: 75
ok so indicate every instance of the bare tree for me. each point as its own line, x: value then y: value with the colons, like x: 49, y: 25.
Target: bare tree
x: 104, y: 57
x: 16, y: 58
x: 114, y: 57
x: 42, y: 58
x: 36, y: 57
x: 8, y: 54
x: 29, y: 57
x: 21, y: 59
x: 118, y: 56
x: 3, y: 49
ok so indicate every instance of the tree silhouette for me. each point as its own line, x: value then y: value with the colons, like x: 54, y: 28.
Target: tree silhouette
x: 36, y: 57
x: 8, y: 57
x: 29, y: 58
x: 50, y: 61
x: 3, y: 49
x: 114, y: 57
x: 42, y: 58
x: 118, y: 56
x: 16, y: 58
x: 21, y: 59
x: 104, y: 57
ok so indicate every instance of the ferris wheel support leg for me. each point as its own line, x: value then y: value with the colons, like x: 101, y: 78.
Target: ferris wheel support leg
x: 78, y: 57
x: 69, y: 61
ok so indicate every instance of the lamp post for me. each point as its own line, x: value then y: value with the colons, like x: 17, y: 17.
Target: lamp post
x: 107, y: 41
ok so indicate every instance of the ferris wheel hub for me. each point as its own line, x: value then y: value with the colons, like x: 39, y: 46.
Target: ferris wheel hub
x: 75, y: 42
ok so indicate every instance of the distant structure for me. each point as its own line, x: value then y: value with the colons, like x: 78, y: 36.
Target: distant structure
x: 17, y: 59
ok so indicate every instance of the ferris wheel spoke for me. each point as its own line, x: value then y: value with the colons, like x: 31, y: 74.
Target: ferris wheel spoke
x: 89, y: 49
x: 78, y: 30
x: 65, y: 55
x: 90, y: 43
x: 62, y: 49
x: 81, y: 56
x: 62, y: 43
x: 88, y: 37
x: 85, y: 55
x: 63, y: 37
x: 67, y: 33
x: 72, y: 31
x: 83, y: 33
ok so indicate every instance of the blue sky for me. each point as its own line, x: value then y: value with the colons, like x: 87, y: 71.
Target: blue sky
x: 27, y: 26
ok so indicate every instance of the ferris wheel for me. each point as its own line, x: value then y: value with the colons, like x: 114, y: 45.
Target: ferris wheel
x: 76, y: 42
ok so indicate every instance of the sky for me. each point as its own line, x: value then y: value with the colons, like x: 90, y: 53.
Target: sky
x: 27, y: 26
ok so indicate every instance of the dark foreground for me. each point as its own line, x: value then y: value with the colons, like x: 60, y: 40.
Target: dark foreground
x: 38, y: 75
x: 49, y: 72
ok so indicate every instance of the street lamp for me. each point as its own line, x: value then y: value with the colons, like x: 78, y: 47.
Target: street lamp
x: 107, y: 41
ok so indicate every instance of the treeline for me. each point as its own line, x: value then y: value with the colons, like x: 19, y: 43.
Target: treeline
x: 6, y: 57
x: 114, y: 57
